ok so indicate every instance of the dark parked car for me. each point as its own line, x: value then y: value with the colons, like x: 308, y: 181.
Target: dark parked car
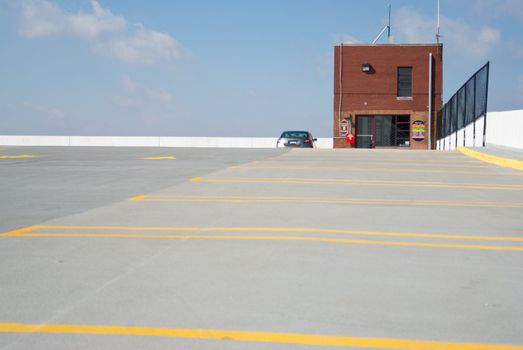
x: 296, y: 139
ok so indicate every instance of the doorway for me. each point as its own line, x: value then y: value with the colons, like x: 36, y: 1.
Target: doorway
x: 382, y: 131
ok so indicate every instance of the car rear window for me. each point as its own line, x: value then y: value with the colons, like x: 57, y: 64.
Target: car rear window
x: 297, y: 134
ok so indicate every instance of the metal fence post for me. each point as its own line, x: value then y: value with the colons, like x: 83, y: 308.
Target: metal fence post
x: 475, y: 116
x: 486, y: 99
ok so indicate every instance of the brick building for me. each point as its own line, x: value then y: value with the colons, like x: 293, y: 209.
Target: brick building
x: 381, y: 94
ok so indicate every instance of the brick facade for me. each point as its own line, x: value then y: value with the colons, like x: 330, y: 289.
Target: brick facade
x: 375, y: 93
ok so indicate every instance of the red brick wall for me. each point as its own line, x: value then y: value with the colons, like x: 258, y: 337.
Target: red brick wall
x: 366, y: 93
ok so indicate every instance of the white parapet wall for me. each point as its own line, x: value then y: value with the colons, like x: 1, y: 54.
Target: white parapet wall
x: 148, y: 141
x: 503, y: 129
x: 114, y: 141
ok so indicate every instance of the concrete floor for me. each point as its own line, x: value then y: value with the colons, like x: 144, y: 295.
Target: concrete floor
x: 367, y: 248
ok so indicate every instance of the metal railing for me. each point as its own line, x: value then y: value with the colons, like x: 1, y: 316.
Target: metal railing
x: 464, y: 108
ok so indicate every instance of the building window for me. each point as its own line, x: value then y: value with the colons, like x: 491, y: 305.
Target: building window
x: 404, y: 81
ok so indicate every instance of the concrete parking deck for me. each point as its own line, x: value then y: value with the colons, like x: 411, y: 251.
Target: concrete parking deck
x: 258, y: 249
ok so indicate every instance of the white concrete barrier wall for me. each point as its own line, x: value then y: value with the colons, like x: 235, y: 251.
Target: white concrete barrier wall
x: 22, y: 140
x: 461, y: 136
x: 120, y: 141
x: 324, y: 143
x: 469, y: 134
x: 452, y: 141
x: 478, y: 142
x: 148, y: 141
x: 505, y: 129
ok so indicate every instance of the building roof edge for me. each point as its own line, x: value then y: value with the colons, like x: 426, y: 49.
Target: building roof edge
x: 418, y: 44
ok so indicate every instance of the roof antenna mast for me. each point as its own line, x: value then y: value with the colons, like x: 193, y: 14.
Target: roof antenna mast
x: 437, y: 32
x: 387, y: 27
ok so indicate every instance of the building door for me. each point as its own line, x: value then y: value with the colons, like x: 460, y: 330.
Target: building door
x: 382, y: 131
x: 392, y: 131
x: 365, y: 129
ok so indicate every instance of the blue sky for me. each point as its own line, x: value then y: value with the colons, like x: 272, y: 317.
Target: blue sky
x: 223, y: 68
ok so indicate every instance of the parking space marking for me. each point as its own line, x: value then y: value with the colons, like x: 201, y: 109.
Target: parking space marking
x: 29, y: 232
x: 262, y: 229
x: 21, y: 231
x: 159, y: 158
x: 385, y: 170
x: 322, y: 200
x: 252, y: 336
x: 388, y: 161
x: 17, y: 156
x: 282, y: 238
x: 355, y: 182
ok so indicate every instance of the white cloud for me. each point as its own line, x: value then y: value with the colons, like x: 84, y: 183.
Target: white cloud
x: 129, y: 85
x: 56, y: 113
x: 139, y: 95
x: 41, y: 18
x: 52, y: 114
x: 344, y: 38
x: 498, y: 8
x: 459, y: 37
x: 152, y: 106
x: 107, y: 33
x: 91, y: 25
x: 143, y: 46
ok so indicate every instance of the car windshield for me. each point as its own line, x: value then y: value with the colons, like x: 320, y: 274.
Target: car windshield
x: 295, y: 134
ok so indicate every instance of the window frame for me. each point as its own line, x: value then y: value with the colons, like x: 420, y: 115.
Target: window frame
x: 401, y: 90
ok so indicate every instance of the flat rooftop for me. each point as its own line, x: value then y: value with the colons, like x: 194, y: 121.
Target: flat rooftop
x: 133, y: 248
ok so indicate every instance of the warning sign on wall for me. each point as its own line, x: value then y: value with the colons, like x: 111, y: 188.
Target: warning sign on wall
x: 344, y: 127
x: 418, y: 130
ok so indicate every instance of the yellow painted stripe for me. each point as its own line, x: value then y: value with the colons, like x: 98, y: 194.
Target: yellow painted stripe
x: 352, y: 161
x: 159, y: 158
x: 488, y: 158
x: 19, y: 156
x: 323, y: 200
x: 21, y: 231
x: 354, y: 182
x: 383, y: 170
x: 281, y: 238
x: 269, y: 229
x: 251, y: 336
x: 447, y: 157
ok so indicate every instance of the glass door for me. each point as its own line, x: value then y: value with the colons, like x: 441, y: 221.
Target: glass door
x: 365, y: 129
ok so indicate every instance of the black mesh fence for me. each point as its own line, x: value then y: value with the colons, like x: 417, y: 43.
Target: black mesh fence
x: 467, y: 105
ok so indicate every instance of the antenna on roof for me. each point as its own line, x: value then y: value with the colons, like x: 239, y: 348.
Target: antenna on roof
x: 387, y: 27
x: 437, y: 32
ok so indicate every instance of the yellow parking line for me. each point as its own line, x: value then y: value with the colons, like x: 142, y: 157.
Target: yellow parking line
x: 459, y: 158
x: 18, y: 156
x: 347, y: 161
x: 323, y: 200
x: 282, y: 238
x: 21, y: 231
x: 354, y: 182
x: 159, y: 158
x: 349, y: 168
x: 252, y: 336
x: 500, y: 161
x: 24, y: 231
